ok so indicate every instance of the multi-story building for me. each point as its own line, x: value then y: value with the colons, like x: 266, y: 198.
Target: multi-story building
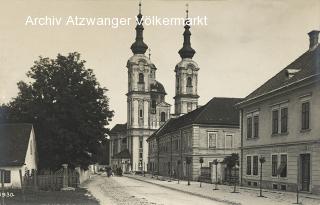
x: 209, y: 132
x: 147, y: 109
x: 280, y: 122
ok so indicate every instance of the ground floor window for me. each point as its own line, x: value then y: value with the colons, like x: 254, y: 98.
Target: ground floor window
x: 255, y: 165
x: 248, y: 165
x: 274, y: 161
x: 6, y: 176
x: 282, y: 171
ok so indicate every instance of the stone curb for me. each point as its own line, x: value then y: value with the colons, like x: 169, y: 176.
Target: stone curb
x: 186, y: 192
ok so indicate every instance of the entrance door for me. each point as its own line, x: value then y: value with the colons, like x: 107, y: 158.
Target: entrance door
x: 305, y: 171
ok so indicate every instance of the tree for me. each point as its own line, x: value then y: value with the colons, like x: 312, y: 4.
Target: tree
x: 68, y: 108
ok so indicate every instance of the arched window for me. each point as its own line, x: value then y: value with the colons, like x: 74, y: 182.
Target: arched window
x: 163, y: 117
x: 189, y: 82
x: 141, y: 78
x: 153, y: 104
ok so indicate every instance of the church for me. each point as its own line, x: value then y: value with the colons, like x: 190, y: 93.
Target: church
x: 147, y: 109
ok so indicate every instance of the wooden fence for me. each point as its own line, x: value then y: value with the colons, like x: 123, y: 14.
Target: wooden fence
x: 49, y: 180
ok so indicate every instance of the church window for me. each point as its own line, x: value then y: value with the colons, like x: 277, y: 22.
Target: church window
x: 153, y: 103
x: 189, y: 82
x: 141, y: 78
x: 189, y: 107
x: 163, y: 117
x: 140, y: 113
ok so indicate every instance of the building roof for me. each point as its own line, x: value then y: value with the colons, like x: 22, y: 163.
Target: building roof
x: 307, y: 65
x: 124, y: 154
x: 158, y: 87
x: 119, y: 128
x: 218, y: 111
x: 14, y: 141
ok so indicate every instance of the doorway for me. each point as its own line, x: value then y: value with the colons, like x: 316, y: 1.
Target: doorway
x: 305, y: 171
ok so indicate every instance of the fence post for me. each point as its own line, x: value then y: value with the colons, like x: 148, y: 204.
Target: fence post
x: 65, y: 176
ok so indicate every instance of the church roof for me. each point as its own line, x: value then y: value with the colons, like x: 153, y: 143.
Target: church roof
x: 306, y: 66
x: 14, y: 141
x: 157, y: 87
x: 218, y: 111
x: 119, y: 128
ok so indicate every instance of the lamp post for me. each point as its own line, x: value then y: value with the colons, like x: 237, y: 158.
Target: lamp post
x: 179, y: 162
x: 216, y: 162
x: 201, y: 161
x: 188, y: 159
x: 261, y: 160
x: 235, y: 178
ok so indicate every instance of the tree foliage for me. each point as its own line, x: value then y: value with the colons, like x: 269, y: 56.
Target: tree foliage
x: 232, y: 160
x: 68, y: 108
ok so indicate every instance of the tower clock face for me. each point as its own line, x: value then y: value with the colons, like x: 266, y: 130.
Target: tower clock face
x: 189, y: 71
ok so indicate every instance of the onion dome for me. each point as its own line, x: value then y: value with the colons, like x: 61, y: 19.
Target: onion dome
x: 139, y: 47
x: 187, y: 51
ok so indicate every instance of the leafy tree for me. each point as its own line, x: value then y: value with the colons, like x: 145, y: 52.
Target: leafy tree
x: 68, y: 108
x: 232, y: 160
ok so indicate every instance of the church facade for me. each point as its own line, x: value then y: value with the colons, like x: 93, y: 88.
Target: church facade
x: 147, y: 109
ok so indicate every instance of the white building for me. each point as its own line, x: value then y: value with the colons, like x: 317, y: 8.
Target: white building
x: 18, y: 151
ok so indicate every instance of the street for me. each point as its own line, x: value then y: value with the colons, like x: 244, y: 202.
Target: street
x: 123, y: 190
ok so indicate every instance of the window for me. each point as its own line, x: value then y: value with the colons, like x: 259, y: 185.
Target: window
x: 248, y: 165
x: 189, y: 107
x: 275, y: 121
x: 249, y: 127
x: 274, y: 186
x: 283, y: 187
x: 284, y: 120
x: 140, y: 155
x: 305, y: 115
x: 212, y: 140
x: 153, y: 104
x: 228, y: 141
x: 274, y: 161
x: 282, y: 171
x: 256, y: 126
x: 163, y: 117
x: 255, y: 184
x: 7, y: 176
x: 255, y: 165
x: 140, y: 143
x: 189, y: 82
x: 141, y: 78
x: 140, y: 113
x: 30, y: 147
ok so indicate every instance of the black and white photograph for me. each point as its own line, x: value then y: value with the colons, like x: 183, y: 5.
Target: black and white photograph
x: 159, y: 102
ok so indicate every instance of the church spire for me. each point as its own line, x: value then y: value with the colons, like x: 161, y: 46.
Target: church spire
x: 187, y: 51
x: 139, y: 47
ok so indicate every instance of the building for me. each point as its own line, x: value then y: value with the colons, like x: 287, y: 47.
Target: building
x: 280, y: 122
x: 18, y: 151
x: 147, y: 108
x: 209, y: 132
x: 119, y: 153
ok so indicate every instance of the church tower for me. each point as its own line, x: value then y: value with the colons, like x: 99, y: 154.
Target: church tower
x: 145, y: 101
x: 186, y: 92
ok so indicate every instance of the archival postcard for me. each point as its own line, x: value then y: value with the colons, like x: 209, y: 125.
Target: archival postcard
x: 159, y: 102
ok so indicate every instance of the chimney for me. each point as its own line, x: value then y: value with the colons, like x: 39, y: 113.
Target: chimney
x: 313, y: 37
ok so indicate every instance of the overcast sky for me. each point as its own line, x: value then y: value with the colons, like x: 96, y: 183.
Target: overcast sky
x: 245, y: 42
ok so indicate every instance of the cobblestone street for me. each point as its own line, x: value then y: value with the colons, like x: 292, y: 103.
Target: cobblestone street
x: 126, y: 191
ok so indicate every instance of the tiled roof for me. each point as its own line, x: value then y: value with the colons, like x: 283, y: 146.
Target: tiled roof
x: 14, y: 139
x: 119, y: 128
x: 218, y: 111
x: 308, y: 64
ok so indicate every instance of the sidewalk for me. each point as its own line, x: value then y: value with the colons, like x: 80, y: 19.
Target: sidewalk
x: 246, y: 196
